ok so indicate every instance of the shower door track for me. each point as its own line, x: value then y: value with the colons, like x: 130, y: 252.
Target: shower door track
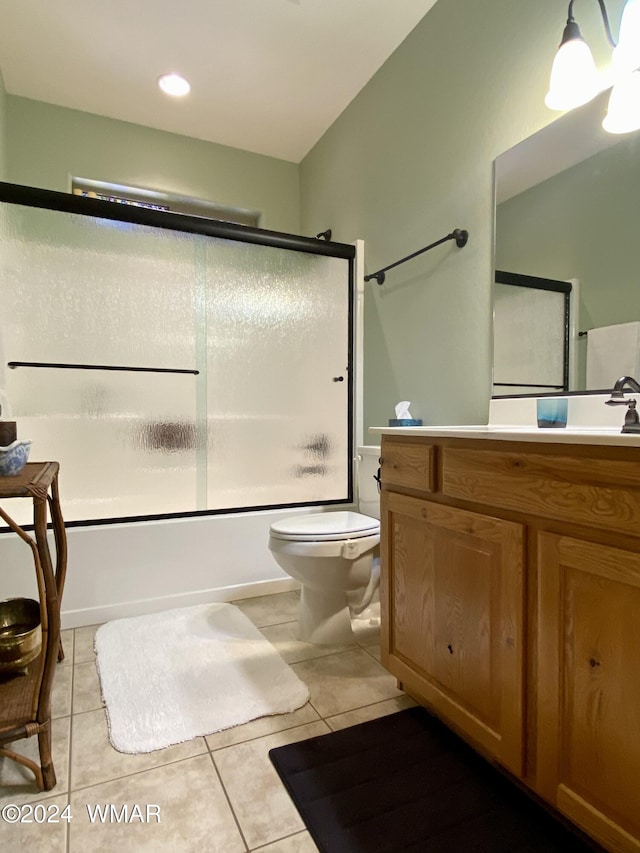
x: 67, y: 203
x: 60, y: 366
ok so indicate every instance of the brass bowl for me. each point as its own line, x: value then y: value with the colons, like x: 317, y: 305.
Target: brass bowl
x: 20, y: 633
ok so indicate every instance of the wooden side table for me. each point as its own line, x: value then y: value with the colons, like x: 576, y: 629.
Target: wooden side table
x: 25, y: 700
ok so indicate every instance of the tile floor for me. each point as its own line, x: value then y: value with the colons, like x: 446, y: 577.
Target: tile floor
x: 218, y: 794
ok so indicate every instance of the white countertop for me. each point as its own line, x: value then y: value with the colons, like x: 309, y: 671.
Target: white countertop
x: 568, y: 435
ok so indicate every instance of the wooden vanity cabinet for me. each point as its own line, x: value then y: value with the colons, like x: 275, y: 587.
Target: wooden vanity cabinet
x: 511, y: 608
x: 588, y: 676
x: 455, y: 617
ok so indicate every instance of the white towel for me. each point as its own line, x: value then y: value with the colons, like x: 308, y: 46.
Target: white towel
x: 612, y: 351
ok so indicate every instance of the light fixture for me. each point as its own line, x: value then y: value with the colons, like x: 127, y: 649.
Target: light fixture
x: 575, y: 80
x: 174, y: 84
x: 626, y: 56
x: 623, y: 112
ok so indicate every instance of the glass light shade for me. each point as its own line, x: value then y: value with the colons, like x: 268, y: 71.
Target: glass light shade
x: 626, y: 56
x: 623, y: 114
x: 174, y: 84
x: 574, y: 79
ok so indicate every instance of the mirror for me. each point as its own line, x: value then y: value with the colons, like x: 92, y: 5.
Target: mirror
x: 568, y: 210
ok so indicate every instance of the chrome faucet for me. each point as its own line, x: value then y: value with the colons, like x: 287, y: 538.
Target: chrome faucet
x: 618, y: 388
x: 631, y: 419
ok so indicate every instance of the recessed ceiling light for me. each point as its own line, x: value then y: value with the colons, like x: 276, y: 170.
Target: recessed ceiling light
x: 174, y: 84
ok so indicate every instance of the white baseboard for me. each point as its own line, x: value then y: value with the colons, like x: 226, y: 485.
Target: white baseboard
x: 129, y: 569
x: 97, y: 615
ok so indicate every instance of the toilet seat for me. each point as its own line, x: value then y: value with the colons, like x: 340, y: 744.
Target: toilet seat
x: 325, y: 527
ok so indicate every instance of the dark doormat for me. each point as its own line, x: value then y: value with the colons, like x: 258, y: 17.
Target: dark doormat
x: 406, y: 783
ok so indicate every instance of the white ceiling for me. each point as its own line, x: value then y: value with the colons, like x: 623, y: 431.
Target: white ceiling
x: 268, y: 76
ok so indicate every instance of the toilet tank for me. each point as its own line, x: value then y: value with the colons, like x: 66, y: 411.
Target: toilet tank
x: 368, y: 462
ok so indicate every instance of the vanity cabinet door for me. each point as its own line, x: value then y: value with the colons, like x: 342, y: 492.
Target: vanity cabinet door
x: 452, y: 604
x: 588, y: 663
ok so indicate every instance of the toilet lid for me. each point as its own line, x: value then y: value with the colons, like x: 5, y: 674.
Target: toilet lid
x: 325, y: 526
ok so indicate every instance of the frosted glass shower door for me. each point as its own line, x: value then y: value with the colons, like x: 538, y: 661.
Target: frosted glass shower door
x: 82, y: 290
x: 277, y: 376
x: 530, y: 345
x: 174, y: 364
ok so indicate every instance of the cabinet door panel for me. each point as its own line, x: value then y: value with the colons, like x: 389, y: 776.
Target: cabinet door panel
x: 452, y: 596
x: 412, y: 609
x: 465, y: 648
x: 589, y: 686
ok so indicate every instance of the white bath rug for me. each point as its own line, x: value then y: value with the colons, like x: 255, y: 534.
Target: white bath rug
x: 172, y: 676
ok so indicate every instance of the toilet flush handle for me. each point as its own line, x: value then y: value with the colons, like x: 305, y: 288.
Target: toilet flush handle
x: 350, y: 550
x: 378, y: 475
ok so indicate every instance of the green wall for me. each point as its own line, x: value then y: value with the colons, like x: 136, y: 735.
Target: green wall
x: 48, y: 145
x: 411, y: 159
x: 3, y: 133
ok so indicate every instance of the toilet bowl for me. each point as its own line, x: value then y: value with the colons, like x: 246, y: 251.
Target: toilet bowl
x: 334, y: 556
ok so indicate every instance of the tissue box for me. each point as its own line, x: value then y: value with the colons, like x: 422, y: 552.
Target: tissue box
x: 400, y: 422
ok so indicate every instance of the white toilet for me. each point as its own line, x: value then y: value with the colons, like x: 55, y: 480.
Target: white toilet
x: 334, y: 555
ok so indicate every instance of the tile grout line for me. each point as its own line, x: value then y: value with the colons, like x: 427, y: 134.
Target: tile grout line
x: 228, y: 799
x: 70, y: 754
x: 209, y: 750
x: 143, y: 770
x: 284, y: 838
x: 213, y: 749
